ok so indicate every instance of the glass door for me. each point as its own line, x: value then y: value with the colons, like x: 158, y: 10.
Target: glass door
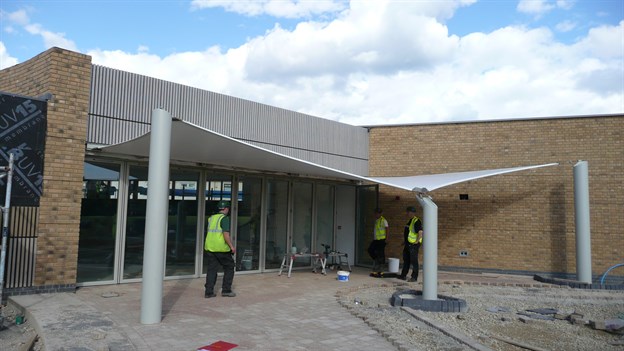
x: 182, y: 223
x: 366, y: 203
x: 218, y: 187
x: 302, y: 221
x: 249, y: 223
x: 276, y: 224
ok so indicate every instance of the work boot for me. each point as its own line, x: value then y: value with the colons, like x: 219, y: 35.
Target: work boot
x: 228, y: 294
x: 209, y: 295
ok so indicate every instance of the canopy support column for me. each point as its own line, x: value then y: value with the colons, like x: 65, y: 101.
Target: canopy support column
x: 430, y: 247
x: 156, y: 218
x: 581, y: 221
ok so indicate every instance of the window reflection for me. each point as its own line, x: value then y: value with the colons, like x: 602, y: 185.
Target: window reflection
x: 98, y: 221
x: 135, y: 222
x: 276, y: 222
x: 182, y: 223
x: 248, y: 230
x: 302, y: 220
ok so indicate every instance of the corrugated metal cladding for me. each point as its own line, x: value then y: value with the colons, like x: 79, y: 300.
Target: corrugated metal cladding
x: 122, y: 104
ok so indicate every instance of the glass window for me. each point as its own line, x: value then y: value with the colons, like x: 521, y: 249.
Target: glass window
x: 276, y: 222
x: 324, y: 218
x: 98, y: 221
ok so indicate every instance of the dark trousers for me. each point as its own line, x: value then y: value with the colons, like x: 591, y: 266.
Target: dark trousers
x: 214, y: 260
x: 410, y: 258
x: 377, y: 251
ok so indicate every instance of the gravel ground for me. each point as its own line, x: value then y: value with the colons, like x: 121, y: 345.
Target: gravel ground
x: 493, y: 315
x: 16, y: 337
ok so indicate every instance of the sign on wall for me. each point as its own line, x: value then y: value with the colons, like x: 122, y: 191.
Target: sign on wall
x: 23, y: 132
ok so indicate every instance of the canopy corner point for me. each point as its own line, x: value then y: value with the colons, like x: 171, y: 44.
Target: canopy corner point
x: 420, y: 191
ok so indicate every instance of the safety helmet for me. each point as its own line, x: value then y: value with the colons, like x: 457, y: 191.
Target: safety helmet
x: 223, y: 204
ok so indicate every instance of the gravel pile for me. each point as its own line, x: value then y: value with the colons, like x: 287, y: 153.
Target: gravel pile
x: 493, y: 318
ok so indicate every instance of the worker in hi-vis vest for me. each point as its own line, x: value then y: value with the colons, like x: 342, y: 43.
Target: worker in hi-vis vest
x: 412, y: 239
x: 377, y: 247
x: 219, y: 251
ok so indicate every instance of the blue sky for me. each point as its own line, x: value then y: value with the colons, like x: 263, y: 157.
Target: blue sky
x: 359, y: 62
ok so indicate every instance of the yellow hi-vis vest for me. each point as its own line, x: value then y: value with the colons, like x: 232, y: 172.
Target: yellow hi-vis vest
x: 413, y: 235
x: 214, y: 235
x: 380, y: 228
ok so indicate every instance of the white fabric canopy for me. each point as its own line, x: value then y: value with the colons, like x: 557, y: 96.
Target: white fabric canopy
x: 431, y: 182
x: 195, y: 144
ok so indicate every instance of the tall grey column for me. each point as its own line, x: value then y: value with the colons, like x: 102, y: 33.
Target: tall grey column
x: 156, y: 218
x: 581, y: 221
x: 430, y: 247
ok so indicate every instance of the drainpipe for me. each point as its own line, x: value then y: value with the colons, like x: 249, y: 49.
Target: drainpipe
x: 430, y: 247
x: 156, y: 218
x: 581, y: 221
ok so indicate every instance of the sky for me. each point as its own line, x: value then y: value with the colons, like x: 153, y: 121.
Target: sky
x: 366, y: 62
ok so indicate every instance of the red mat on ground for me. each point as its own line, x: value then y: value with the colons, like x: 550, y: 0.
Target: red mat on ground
x: 218, y: 346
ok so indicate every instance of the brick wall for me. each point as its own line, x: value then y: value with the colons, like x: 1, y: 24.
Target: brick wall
x: 515, y: 222
x: 67, y: 76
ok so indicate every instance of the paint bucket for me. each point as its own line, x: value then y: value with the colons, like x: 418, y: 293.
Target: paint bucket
x: 343, y: 276
x: 393, y: 265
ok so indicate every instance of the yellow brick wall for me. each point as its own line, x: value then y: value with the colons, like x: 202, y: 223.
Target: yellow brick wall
x: 520, y: 221
x: 67, y: 76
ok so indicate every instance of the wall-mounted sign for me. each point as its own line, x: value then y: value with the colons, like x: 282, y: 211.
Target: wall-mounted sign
x: 23, y: 133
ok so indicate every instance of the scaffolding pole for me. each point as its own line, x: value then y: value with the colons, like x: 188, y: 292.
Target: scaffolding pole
x: 5, y: 220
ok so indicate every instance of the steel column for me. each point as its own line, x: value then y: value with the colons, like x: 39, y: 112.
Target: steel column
x: 430, y: 247
x: 581, y: 222
x: 156, y: 218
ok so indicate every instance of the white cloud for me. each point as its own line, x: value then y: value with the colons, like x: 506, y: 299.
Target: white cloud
x: 565, y: 26
x: 6, y: 60
x: 19, y: 17
x: 376, y: 38
x: 50, y: 39
x: 565, y: 4
x: 380, y: 63
x: 538, y: 8
x: 209, y: 69
x: 534, y: 7
x: 275, y: 8
x: 606, y: 42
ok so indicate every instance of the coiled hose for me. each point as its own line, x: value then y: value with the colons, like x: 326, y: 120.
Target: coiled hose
x: 604, y: 276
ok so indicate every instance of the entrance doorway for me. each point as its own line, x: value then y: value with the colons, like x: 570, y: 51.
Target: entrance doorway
x: 270, y: 215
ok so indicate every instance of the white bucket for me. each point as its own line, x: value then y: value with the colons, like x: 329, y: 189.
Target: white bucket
x: 393, y: 265
x: 343, y: 276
